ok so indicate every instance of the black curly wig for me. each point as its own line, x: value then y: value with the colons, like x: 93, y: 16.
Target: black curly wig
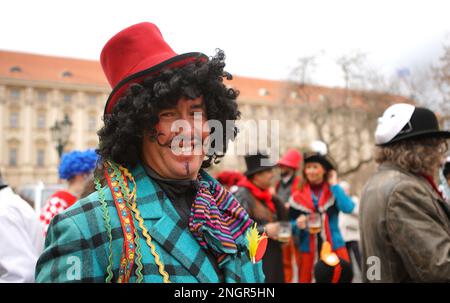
x: 136, y: 113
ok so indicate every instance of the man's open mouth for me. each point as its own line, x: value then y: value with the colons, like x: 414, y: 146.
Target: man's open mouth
x: 194, y: 148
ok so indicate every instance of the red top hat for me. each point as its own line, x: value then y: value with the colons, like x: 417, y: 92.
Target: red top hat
x: 291, y: 159
x: 135, y: 53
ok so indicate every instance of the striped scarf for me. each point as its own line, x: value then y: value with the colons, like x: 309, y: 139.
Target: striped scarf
x: 217, y: 220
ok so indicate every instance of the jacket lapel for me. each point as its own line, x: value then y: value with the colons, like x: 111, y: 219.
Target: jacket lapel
x: 439, y: 200
x: 164, y: 226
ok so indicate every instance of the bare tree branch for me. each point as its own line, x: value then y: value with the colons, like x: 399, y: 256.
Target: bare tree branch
x: 356, y: 168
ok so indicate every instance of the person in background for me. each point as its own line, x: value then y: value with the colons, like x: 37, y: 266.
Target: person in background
x: 314, y: 210
x: 349, y: 227
x: 288, y: 166
x: 404, y: 220
x: 230, y: 179
x: 289, y: 181
x: 21, y: 238
x: 265, y: 209
x: 444, y: 177
x: 76, y: 167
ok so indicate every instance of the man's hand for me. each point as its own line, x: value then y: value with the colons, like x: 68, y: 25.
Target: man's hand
x: 272, y: 230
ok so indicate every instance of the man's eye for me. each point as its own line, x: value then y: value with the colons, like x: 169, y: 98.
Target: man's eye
x: 167, y: 115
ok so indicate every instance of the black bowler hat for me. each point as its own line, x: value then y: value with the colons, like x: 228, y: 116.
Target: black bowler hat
x: 318, y: 153
x: 405, y: 121
x: 326, y: 161
x: 254, y: 163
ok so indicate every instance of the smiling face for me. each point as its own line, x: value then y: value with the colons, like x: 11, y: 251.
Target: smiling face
x: 177, y: 152
x: 315, y: 173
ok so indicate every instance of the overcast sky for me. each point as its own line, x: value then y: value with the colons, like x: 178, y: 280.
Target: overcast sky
x: 262, y: 39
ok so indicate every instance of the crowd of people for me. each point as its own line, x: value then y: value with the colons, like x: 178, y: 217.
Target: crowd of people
x: 143, y: 208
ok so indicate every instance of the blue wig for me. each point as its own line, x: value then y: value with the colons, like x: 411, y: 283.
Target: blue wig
x: 77, y: 163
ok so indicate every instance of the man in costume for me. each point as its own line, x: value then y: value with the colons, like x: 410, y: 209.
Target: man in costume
x: 159, y: 217
x: 266, y: 209
x: 289, y: 182
x: 75, y: 167
x: 404, y: 219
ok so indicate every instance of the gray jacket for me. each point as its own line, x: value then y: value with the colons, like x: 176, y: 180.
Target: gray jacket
x: 405, y: 229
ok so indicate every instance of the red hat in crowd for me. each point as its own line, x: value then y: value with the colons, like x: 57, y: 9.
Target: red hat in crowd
x: 291, y: 158
x: 229, y: 178
x: 135, y: 53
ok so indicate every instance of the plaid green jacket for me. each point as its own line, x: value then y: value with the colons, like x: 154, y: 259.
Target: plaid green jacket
x: 77, y: 243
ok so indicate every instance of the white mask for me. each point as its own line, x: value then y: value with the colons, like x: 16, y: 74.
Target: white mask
x: 319, y: 147
x: 392, y: 122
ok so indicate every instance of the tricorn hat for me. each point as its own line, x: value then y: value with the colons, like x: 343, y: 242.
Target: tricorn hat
x: 135, y: 53
x: 405, y: 121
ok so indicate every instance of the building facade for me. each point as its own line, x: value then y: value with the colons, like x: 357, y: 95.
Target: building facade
x: 36, y: 91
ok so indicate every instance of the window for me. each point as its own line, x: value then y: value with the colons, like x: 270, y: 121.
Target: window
x: 13, y: 157
x: 67, y: 97
x: 15, y: 69
x: 41, y: 121
x: 14, y: 120
x: 14, y: 94
x: 67, y: 74
x: 40, y: 158
x: 92, y: 99
x: 92, y: 123
x: 42, y: 96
